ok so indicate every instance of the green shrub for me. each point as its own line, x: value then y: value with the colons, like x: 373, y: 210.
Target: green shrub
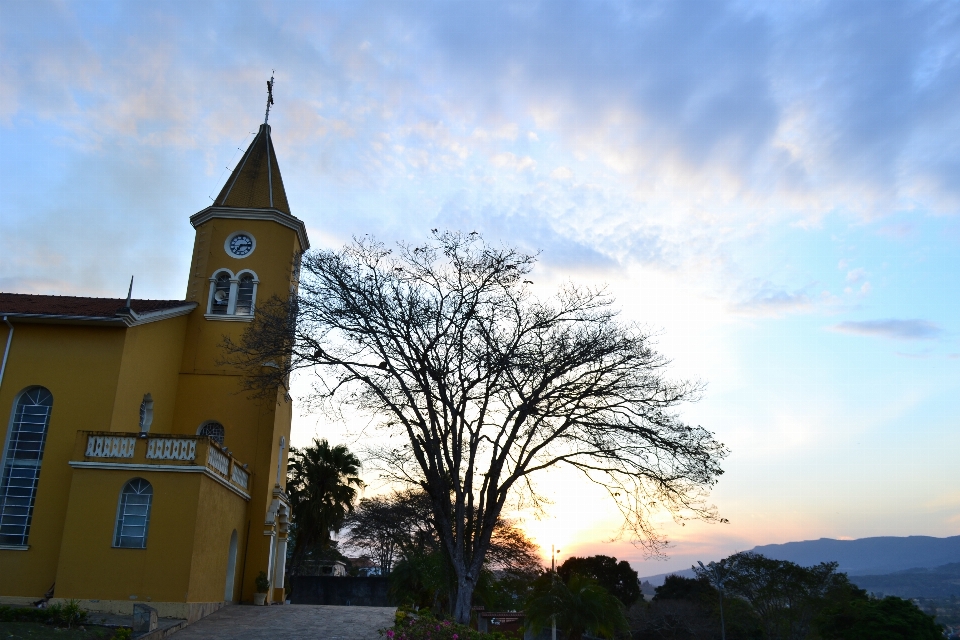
x: 123, y: 633
x: 62, y: 614
x: 23, y: 614
x: 67, y: 614
x: 262, y: 582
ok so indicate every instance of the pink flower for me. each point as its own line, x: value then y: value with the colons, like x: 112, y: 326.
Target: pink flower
x: 455, y: 637
x: 389, y: 633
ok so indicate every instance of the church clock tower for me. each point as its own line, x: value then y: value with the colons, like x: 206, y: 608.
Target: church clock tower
x: 247, y: 249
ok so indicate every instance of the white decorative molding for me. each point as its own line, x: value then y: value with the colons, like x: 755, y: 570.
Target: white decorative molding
x: 124, y: 319
x: 225, y: 318
x: 240, y: 476
x: 178, y: 468
x: 110, y: 446
x: 218, y: 460
x: 172, y: 449
x: 272, y: 513
x: 133, y: 319
x: 237, y: 213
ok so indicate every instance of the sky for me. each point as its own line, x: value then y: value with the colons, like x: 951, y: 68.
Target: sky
x: 773, y: 189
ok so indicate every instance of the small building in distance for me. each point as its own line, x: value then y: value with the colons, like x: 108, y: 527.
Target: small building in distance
x: 364, y: 567
x: 328, y: 568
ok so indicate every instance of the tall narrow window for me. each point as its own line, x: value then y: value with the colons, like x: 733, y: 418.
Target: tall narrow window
x: 133, y: 515
x: 245, y: 295
x: 21, y: 464
x: 213, y: 429
x: 146, y: 413
x: 221, y: 295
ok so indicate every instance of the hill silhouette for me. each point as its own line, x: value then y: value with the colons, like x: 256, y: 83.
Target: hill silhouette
x: 940, y: 582
x: 897, y: 563
x: 869, y: 556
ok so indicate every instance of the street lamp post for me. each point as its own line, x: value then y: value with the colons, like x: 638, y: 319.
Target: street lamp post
x: 719, y: 576
x: 553, y: 570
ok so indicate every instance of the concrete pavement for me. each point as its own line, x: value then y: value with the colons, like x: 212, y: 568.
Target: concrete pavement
x: 290, y: 622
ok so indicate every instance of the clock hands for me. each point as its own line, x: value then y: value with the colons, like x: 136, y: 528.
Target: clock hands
x: 240, y: 245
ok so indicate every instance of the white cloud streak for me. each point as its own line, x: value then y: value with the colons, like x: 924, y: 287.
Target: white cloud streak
x: 891, y: 329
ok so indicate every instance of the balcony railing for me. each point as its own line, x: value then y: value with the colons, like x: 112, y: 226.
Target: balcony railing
x: 162, y: 449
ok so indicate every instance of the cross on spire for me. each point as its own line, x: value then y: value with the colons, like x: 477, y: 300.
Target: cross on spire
x: 269, y: 98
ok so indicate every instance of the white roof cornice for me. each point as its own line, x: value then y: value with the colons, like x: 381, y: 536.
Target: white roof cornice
x: 125, y: 317
x: 236, y: 213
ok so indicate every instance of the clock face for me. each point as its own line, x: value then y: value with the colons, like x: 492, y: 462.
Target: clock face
x: 240, y: 245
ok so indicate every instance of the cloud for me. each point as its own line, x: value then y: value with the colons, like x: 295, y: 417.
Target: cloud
x: 896, y: 231
x: 665, y: 134
x: 856, y: 275
x: 508, y: 160
x: 807, y: 106
x: 891, y: 329
x: 771, y: 300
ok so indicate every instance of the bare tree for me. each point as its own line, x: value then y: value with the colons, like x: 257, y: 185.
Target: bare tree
x: 400, y: 524
x: 484, y: 386
x: 389, y: 526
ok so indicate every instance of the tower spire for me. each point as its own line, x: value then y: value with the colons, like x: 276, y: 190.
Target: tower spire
x: 269, y: 97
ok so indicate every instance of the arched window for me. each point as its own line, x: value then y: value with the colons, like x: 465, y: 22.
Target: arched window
x: 245, y: 295
x: 21, y: 464
x: 133, y: 515
x: 220, y: 298
x: 232, y: 295
x: 213, y: 429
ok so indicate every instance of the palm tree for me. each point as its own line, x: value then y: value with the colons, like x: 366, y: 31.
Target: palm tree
x: 322, y: 482
x: 579, y: 606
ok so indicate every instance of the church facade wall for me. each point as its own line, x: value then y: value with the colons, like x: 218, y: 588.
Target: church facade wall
x: 150, y: 364
x: 218, y: 516
x: 80, y: 367
x: 91, y: 567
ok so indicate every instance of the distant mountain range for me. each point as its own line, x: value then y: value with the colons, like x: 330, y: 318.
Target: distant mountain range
x: 869, y: 556
x: 915, y: 566
x: 939, y: 582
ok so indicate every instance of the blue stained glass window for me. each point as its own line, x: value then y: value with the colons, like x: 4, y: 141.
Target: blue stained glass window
x: 21, y: 464
x: 133, y: 515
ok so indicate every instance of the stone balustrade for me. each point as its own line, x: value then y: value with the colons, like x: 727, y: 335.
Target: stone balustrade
x: 140, y: 450
x: 239, y: 476
x: 110, y: 446
x: 167, y: 448
x: 218, y: 460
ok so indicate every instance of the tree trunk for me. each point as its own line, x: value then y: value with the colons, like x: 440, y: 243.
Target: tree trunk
x: 464, y: 600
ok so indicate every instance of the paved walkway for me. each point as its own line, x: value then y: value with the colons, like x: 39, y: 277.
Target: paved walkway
x: 290, y: 622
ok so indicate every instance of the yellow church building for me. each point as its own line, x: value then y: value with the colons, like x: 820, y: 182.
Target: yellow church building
x: 134, y: 468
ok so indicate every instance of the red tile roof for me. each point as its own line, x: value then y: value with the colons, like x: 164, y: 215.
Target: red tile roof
x: 76, y: 306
